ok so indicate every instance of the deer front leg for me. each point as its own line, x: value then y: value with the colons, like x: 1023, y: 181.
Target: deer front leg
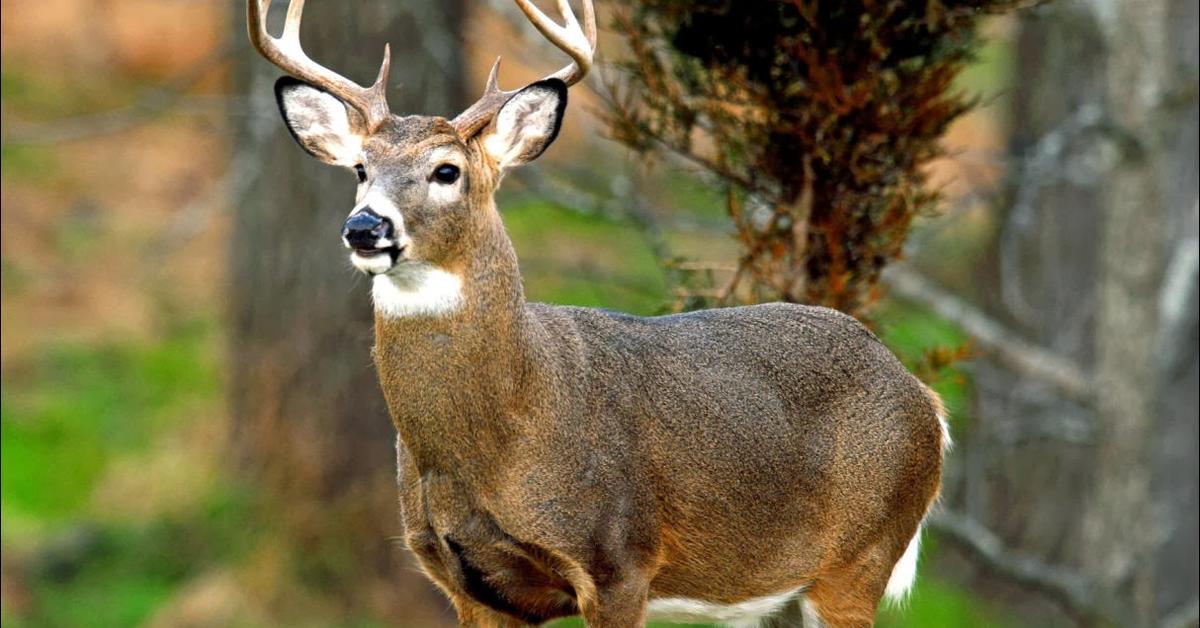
x: 473, y: 615
x: 618, y: 603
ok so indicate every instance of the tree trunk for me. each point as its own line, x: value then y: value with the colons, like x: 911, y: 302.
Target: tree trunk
x: 1026, y: 454
x: 1104, y: 202
x: 1121, y: 515
x: 311, y: 426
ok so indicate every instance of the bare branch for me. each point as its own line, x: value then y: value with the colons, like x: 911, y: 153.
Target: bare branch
x: 149, y: 105
x: 620, y: 205
x: 801, y: 212
x: 1007, y: 346
x: 1186, y: 616
x: 1066, y: 587
x: 1177, y: 297
x: 703, y: 265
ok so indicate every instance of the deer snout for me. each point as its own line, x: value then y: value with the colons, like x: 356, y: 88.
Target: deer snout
x: 368, y: 231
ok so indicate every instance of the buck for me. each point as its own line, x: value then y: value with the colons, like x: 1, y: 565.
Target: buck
x: 555, y: 460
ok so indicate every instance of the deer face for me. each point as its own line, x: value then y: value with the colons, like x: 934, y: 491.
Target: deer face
x: 420, y: 183
x: 423, y: 182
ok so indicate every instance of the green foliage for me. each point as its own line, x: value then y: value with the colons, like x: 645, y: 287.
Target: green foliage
x: 50, y: 96
x: 32, y: 164
x: 910, y: 332
x: 818, y: 118
x: 575, y: 259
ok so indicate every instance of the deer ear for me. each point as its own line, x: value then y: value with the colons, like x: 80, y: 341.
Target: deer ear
x: 526, y: 124
x: 321, y: 123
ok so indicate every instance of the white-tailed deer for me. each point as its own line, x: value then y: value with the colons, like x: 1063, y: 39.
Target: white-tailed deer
x: 556, y: 461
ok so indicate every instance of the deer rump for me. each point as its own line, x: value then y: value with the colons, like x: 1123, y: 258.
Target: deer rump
x: 737, y: 455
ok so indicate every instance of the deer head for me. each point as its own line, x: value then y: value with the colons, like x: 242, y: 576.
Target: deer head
x: 423, y: 181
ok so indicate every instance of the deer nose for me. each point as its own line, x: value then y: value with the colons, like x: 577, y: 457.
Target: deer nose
x: 365, y: 229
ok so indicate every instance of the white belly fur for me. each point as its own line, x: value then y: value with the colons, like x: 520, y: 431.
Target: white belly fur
x: 740, y: 615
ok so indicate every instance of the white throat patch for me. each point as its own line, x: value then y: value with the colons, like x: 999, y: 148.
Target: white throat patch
x: 416, y: 289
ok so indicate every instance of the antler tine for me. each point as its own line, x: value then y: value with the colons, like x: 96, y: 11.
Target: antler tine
x: 286, y: 52
x: 291, y: 24
x: 577, y: 41
x: 569, y: 37
x: 480, y: 113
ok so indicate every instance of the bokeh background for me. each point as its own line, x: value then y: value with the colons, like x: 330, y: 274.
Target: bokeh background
x: 192, y: 433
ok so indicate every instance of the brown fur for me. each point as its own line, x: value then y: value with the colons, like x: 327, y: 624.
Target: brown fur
x: 563, y: 460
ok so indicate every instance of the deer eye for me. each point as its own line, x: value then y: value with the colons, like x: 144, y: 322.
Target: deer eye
x: 361, y: 172
x: 446, y: 173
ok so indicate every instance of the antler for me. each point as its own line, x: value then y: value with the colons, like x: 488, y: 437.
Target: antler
x: 577, y: 41
x: 285, y: 51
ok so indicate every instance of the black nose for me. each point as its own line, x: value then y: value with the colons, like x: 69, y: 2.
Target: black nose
x: 365, y: 228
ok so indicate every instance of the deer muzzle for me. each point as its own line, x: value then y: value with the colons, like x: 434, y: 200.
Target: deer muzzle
x: 368, y: 233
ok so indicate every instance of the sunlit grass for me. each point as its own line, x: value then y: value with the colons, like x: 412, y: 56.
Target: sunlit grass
x: 117, y: 575
x: 67, y: 418
x: 574, y: 259
x: 69, y: 413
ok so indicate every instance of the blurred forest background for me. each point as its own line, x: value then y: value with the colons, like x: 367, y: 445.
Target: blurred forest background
x: 192, y: 434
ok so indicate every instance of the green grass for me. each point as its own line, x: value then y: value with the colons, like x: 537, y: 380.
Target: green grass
x: 29, y: 164
x: 119, y: 574
x: 66, y: 416
x: 942, y: 604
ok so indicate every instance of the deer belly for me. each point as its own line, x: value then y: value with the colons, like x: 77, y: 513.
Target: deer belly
x: 744, y: 613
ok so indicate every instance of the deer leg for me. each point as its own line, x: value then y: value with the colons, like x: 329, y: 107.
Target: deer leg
x: 620, y: 603
x: 473, y: 615
x: 848, y: 596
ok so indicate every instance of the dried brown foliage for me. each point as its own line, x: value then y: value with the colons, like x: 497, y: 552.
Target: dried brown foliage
x: 816, y: 117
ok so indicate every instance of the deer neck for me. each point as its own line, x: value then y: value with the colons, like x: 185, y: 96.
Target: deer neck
x: 455, y: 380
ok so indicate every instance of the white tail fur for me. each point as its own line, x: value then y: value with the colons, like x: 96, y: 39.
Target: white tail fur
x: 904, y: 574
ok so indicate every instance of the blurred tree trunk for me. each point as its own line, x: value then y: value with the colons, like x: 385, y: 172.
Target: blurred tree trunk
x: 312, y: 428
x: 1119, y: 514
x: 1100, y: 230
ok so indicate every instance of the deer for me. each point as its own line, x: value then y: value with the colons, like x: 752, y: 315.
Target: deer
x: 552, y: 461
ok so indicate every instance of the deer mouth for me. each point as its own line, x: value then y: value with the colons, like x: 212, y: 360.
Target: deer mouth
x: 376, y: 260
x: 391, y: 251
x: 374, y: 252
